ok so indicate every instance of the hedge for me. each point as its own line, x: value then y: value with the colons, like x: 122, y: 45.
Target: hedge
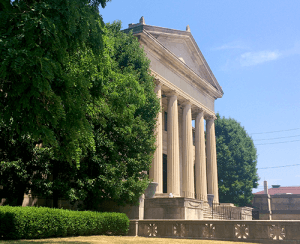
x: 41, y: 222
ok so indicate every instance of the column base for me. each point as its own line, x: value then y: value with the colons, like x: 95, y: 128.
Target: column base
x: 189, y: 195
x: 166, y: 195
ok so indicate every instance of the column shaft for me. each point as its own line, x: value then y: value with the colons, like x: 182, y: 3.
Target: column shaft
x: 212, y: 174
x: 156, y: 170
x: 173, y: 177
x: 200, y: 158
x: 187, y: 153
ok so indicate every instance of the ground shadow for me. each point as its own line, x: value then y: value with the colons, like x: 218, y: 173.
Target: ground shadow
x: 42, y: 242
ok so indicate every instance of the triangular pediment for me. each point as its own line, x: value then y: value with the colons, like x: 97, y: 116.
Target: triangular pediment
x: 182, y: 46
x: 186, y: 50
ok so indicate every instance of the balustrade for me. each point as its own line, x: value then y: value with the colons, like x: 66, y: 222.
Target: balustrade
x: 253, y: 230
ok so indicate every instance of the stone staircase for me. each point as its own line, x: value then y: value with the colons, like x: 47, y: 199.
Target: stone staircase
x: 219, y: 212
x: 208, y: 213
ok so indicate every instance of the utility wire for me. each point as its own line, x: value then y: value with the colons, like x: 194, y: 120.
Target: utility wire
x: 280, y: 166
x: 273, y: 131
x: 275, y: 142
x: 276, y: 138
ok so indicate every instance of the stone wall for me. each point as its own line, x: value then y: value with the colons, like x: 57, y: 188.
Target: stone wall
x: 285, y: 202
x: 277, y: 207
x: 234, y: 230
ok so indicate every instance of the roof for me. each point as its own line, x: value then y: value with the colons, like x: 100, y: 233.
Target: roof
x: 281, y: 190
x: 183, y: 46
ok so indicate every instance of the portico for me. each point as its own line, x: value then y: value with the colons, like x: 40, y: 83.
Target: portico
x: 191, y: 163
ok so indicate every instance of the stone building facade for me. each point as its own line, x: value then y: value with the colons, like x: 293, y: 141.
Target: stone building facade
x: 185, y: 162
x: 277, y: 203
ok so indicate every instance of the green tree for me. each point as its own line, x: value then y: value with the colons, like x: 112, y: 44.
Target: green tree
x: 49, y: 54
x: 122, y: 112
x: 237, y: 160
x: 123, y: 115
x: 22, y: 169
x: 124, y: 118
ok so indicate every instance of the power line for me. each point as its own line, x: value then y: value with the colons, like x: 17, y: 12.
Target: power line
x: 275, y: 138
x: 273, y: 131
x: 275, y: 142
x: 280, y: 166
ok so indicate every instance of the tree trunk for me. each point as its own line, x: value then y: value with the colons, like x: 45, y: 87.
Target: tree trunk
x: 20, y: 196
x: 55, y: 176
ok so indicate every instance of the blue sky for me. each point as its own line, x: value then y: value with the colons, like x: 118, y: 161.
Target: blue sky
x: 253, y: 49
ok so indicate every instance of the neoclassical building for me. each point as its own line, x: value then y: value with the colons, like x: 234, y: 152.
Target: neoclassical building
x: 185, y: 162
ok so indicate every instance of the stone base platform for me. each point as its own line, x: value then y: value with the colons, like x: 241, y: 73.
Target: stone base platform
x: 173, y: 208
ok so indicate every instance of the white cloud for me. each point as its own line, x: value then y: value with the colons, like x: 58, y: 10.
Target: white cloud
x: 254, y: 58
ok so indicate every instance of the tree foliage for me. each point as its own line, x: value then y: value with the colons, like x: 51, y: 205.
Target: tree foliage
x: 84, y: 92
x: 237, y: 159
x: 49, y: 50
x: 124, y: 126
x: 123, y: 115
x: 22, y: 169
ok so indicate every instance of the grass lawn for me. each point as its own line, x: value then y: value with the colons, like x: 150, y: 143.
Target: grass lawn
x: 116, y: 239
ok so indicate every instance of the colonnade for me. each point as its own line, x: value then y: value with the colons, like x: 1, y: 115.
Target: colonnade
x: 205, y: 163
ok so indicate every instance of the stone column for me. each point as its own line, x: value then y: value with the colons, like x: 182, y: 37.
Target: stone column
x: 200, y: 158
x: 156, y: 170
x: 211, y: 154
x: 187, y: 153
x: 173, y: 177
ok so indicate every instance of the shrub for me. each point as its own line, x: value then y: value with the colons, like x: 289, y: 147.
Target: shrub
x: 40, y: 222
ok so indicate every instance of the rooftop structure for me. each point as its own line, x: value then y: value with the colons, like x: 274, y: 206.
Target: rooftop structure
x: 281, y: 190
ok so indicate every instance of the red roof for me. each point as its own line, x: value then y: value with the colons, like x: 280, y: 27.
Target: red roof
x: 281, y: 190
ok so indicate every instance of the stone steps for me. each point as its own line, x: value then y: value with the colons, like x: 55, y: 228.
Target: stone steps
x: 208, y: 214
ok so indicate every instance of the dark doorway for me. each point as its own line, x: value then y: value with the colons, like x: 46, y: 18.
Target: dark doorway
x: 255, y: 214
x: 165, y: 186
x: 195, y: 181
x: 166, y: 121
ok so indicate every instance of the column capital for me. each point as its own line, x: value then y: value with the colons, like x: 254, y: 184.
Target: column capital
x: 210, y: 117
x: 158, y: 82
x: 199, y: 110
x: 171, y: 93
x: 158, y: 87
x: 186, y: 102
